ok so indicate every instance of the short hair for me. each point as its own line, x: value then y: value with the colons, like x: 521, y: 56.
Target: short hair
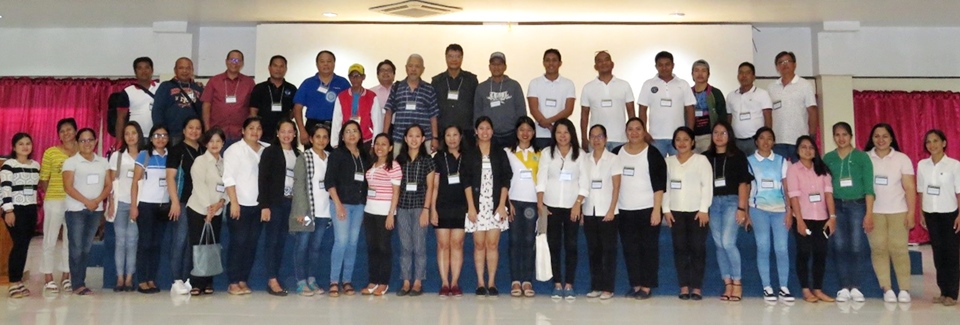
x: 67, y: 121
x: 252, y: 119
x: 235, y: 51
x: 793, y: 58
x: 327, y: 52
x: 142, y: 59
x: 214, y: 131
x: 389, y: 63
x: 753, y: 70
x: 278, y: 57
x: 553, y: 51
x: 689, y: 132
x: 663, y: 55
x: 454, y: 47
x: 703, y: 63
x: 84, y: 130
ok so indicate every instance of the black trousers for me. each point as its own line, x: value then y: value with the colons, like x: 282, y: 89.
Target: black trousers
x: 812, y: 246
x: 21, y: 233
x: 946, y: 251
x: 195, y: 222
x: 689, y: 249
x: 562, y: 237
x: 641, y: 247
x: 379, y: 248
x: 602, y: 251
x: 151, y: 224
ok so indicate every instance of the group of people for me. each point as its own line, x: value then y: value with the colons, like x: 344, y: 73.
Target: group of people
x: 690, y: 158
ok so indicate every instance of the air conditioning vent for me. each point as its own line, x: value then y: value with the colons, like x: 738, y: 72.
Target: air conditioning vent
x: 415, y: 9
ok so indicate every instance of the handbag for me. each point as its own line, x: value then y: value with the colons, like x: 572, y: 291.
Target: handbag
x: 544, y: 269
x: 206, y: 255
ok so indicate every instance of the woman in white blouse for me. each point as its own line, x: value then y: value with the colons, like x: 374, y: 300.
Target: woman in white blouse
x: 241, y: 169
x: 310, y: 215
x: 524, y: 160
x: 938, y: 179
x: 600, y: 214
x: 562, y: 170
x: 118, y: 206
x: 686, y: 205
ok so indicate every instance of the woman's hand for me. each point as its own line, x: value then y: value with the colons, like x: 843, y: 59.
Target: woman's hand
x: 868, y: 223
x: 341, y: 211
x: 235, y: 210
x: 908, y: 221
x: 91, y: 205
x: 513, y: 212
x: 111, y: 210
x: 802, y: 228
x: 609, y: 217
x: 575, y: 212
x: 472, y: 214
x: 668, y: 218
x: 655, y: 218
x: 9, y: 218
x: 265, y: 215
x: 503, y: 213
x: 923, y: 223
x: 831, y: 226
x: 209, y: 217
x: 788, y: 220
x: 174, y: 212
x: 703, y: 217
x: 390, y: 222
x: 742, y: 218
x: 134, y: 212
x: 434, y: 217
x: 424, y: 218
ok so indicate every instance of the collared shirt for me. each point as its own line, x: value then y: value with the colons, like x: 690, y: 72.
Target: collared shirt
x: 172, y: 107
x: 525, y: 165
x: 123, y: 178
x: 363, y: 107
x: 644, y: 174
x: 19, y: 182
x: 412, y: 106
x: 413, y: 188
x: 502, y: 102
x: 561, y: 179
x: 602, y: 173
x: 88, y: 179
x: 689, y: 185
x: 382, y: 94
x: 380, y: 188
x: 852, y: 175
x: 241, y: 169
x: 455, y: 98
x: 273, y: 104
x: 746, y: 110
x: 888, y: 181
x: 809, y: 188
x: 140, y: 104
x: 607, y: 103
x: 318, y: 97
x: 551, y: 97
x: 51, y: 171
x: 154, y: 186
x: 229, y: 102
x: 665, y: 102
x: 789, y: 105
x: 207, y: 177
x: 939, y: 184
x: 766, y: 192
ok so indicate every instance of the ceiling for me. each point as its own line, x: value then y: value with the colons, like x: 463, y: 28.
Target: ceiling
x: 131, y: 13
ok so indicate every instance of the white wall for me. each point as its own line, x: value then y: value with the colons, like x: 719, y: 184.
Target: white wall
x: 770, y: 41
x: 216, y: 42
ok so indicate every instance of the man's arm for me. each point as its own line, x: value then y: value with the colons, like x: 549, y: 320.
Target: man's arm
x: 630, y: 112
x: 584, y: 125
x: 206, y: 115
x: 689, y: 115
x: 768, y: 117
x: 643, y: 114
x: 814, y: 120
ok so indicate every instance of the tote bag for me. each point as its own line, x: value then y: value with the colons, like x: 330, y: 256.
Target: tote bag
x: 544, y: 270
x: 206, y: 255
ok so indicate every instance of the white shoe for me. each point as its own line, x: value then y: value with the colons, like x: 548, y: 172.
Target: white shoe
x: 843, y: 295
x: 593, y: 294
x: 187, y: 286
x: 904, y: 297
x: 889, y: 296
x: 856, y: 295
x: 179, y: 288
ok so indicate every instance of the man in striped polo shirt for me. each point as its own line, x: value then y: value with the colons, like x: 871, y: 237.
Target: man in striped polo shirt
x: 412, y: 102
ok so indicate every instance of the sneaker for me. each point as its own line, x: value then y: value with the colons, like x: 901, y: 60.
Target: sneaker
x: 456, y: 292
x: 889, y: 296
x: 768, y: 294
x: 187, y: 286
x: 557, y: 293
x: 606, y: 295
x: 304, y: 290
x: 856, y: 295
x: 177, y: 288
x: 843, y: 295
x: 785, y: 295
x: 593, y: 294
x: 444, y: 291
x: 569, y: 294
x: 904, y: 297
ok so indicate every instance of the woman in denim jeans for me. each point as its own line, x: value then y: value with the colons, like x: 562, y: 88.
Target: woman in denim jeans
x: 769, y: 206
x: 311, y: 210
x: 348, y: 195
x: 84, y: 181
x: 118, y: 206
x: 853, y: 197
x: 524, y: 160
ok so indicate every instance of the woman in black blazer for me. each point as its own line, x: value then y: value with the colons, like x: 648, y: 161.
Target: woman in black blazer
x: 486, y: 175
x: 276, y: 198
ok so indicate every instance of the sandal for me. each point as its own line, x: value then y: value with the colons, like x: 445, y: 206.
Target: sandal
x: 334, y: 290
x: 83, y: 291
x: 208, y: 290
x: 528, y: 289
x: 726, y: 286
x: 369, y: 289
x: 51, y: 287
x: 67, y: 286
x: 195, y: 291
x: 348, y: 289
x: 16, y: 291
x: 515, y: 290
x: 736, y: 297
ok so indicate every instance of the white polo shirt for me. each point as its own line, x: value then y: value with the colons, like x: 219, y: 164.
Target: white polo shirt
x: 551, y: 97
x: 601, y: 183
x: 746, y: 110
x: 241, y: 169
x: 154, y: 186
x: 607, y: 103
x: 789, y: 105
x: 141, y: 105
x: 665, y: 102
x: 88, y: 179
x: 939, y: 184
x: 124, y: 181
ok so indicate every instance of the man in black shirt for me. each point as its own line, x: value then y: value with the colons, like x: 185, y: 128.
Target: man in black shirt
x: 272, y: 100
x: 455, y: 89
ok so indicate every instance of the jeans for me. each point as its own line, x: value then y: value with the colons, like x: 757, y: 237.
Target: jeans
x: 542, y: 142
x: 724, y: 228
x: 702, y: 142
x: 306, y: 250
x: 765, y: 223
x: 888, y: 243
x: 849, y: 240
x: 601, y: 251
x: 379, y: 250
x: 244, y: 234
x: 346, y: 233
x: 945, y: 244
x: 812, y: 246
x: 689, y: 249
x: 275, y: 235
x: 665, y: 146
x: 413, y: 244
x: 181, y: 254
x: 53, y: 220
x: 125, y: 252
x: 523, y: 230
x: 21, y: 232
x: 504, y: 141
x: 748, y: 146
x: 151, y: 226
x: 196, y: 222
x: 83, y: 226
x: 787, y: 151
x: 641, y: 247
x: 562, y: 238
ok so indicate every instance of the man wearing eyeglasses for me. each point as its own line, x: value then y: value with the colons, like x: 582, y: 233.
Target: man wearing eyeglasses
x: 226, y: 101
x: 794, y: 106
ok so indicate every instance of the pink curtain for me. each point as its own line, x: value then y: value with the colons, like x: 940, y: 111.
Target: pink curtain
x: 911, y: 114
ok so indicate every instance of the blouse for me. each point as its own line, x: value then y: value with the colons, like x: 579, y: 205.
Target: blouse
x: 888, y: 181
x: 939, y: 183
x: 19, y: 183
x: 561, y: 179
x: 206, y: 172
x: 804, y: 184
x: 50, y: 171
x: 524, y: 164
x: 380, y: 183
x: 601, y: 174
x: 689, y: 185
x: 642, y: 176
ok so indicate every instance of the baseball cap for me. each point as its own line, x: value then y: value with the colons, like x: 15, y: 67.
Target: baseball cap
x: 498, y: 55
x: 355, y: 67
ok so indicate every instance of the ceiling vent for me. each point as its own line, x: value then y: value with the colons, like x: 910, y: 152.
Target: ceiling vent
x: 415, y: 9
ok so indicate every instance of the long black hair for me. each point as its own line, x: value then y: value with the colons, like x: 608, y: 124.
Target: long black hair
x: 731, y: 149
x: 404, y: 156
x: 893, y: 138
x: 528, y: 121
x: 574, y: 144
x: 136, y: 126
x: 389, y: 152
x: 293, y: 144
x: 818, y: 165
x: 16, y: 138
x: 443, y: 142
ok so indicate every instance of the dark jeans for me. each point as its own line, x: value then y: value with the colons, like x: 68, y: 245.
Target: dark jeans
x: 181, y: 254
x: 788, y: 151
x: 562, y: 236
x: 523, y: 230
x: 747, y: 145
x: 379, y: 250
x: 542, y: 142
x: 812, y: 246
x: 21, y: 232
x: 81, y: 227
x: 689, y: 249
x: 641, y: 247
x: 151, y: 226
x: 504, y: 141
x: 469, y: 138
x: 849, y: 241
x: 244, y: 234
x: 196, y: 221
x: 275, y: 232
x: 602, y: 251
x: 946, y: 251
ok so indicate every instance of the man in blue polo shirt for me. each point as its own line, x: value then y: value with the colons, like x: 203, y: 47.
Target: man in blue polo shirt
x: 318, y: 93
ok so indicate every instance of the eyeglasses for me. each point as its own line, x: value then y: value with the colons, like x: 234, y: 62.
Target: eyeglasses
x: 89, y: 140
x: 355, y: 75
x: 598, y: 137
x: 784, y: 62
x: 350, y: 131
x: 161, y: 136
x: 720, y: 133
x: 234, y: 60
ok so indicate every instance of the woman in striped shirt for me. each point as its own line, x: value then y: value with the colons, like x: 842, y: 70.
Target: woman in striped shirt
x: 55, y: 205
x: 19, y: 177
x: 383, y: 192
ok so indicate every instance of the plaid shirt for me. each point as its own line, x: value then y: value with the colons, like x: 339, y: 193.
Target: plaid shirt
x: 425, y: 97
x: 415, y: 172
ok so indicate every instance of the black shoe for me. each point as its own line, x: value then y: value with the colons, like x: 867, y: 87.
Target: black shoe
x: 118, y: 288
x: 684, y: 296
x: 492, y: 291
x: 129, y: 288
x: 144, y: 291
x: 281, y: 293
x: 643, y: 295
x: 401, y: 292
x: 696, y: 297
x: 154, y: 290
x: 416, y: 293
x: 481, y: 291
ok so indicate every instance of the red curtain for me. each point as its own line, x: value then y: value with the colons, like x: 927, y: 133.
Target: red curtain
x: 911, y: 114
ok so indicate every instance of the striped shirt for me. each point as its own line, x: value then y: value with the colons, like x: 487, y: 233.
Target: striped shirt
x: 404, y: 116
x: 380, y: 183
x: 19, y: 182
x: 413, y: 189
x: 50, y: 170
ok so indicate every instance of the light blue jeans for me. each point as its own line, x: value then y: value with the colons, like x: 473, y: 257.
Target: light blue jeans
x: 665, y: 146
x: 848, y: 242
x: 306, y: 250
x: 765, y: 223
x: 346, y: 233
x: 724, y: 228
x: 127, y: 235
x: 181, y: 261
x: 611, y: 145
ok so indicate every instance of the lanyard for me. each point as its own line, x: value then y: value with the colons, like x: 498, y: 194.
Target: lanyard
x: 282, y: 90
x: 237, y: 87
x: 458, y: 84
x: 723, y: 169
x: 447, y: 162
x: 354, y: 160
x: 499, y: 88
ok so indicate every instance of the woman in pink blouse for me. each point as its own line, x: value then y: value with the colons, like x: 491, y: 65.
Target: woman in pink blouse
x: 811, y: 200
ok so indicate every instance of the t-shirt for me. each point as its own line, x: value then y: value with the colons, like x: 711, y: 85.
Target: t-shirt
x: 380, y: 183
x: 665, y: 102
x: 607, y: 103
x: 450, y: 193
x: 124, y: 177
x: 318, y: 97
x: 88, y: 179
x: 888, y: 181
x: 766, y: 192
x: 181, y: 157
x: 551, y: 96
x: 140, y: 104
x: 644, y: 174
x: 728, y: 173
x: 154, y: 188
x: 264, y: 97
x: 50, y: 171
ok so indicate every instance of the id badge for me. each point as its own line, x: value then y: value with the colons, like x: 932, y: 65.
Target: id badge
x: 596, y: 184
x: 720, y: 182
x: 846, y: 182
x: 495, y: 103
x: 93, y: 179
x: 815, y: 197
x: 323, y: 89
x: 276, y: 107
x: 411, y: 187
x: 881, y: 180
x: 129, y: 174
x: 933, y: 190
x: 526, y: 174
x: 220, y: 188
x: 777, y: 104
x: 163, y: 182
x: 566, y: 176
x: 453, y: 95
x: 666, y: 102
x: 453, y: 179
x: 628, y: 171
x: 230, y: 99
x: 487, y: 165
x: 371, y: 193
x: 744, y: 116
x: 606, y: 103
x: 676, y: 184
x: 411, y: 106
x: 289, y: 173
x: 287, y: 190
x: 320, y: 182
x: 550, y: 103
x: 766, y: 183
x: 28, y: 192
x: 358, y: 177
x: 699, y: 113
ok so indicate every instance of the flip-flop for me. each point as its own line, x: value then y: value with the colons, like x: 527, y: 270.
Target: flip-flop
x: 51, y: 287
x: 67, y: 286
x: 84, y: 292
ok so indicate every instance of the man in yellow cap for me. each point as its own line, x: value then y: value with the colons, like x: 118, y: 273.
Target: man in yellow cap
x: 357, y: 104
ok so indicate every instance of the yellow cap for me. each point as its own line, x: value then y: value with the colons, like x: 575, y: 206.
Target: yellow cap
x: 355, y: 67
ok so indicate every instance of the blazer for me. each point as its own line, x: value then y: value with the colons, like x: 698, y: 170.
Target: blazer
x: 273, y: 168
x: 472, y: 169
